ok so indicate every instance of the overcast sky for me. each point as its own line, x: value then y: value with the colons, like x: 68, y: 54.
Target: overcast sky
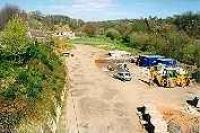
x: 107, y: 9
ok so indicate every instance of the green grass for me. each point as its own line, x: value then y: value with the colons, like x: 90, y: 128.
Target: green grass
x: 104, y: 43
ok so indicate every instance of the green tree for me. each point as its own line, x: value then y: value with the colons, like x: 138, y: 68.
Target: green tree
x: 90, y: 29
x: 113, y: 34
x: 14, y: 37
x: 189, y: 22
x: 196, y: 54
x: 139, y: 40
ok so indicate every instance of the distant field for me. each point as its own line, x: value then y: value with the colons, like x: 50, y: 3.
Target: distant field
x: 103, y: 42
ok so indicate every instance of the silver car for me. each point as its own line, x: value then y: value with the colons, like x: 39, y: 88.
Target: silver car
x: 123, y: 75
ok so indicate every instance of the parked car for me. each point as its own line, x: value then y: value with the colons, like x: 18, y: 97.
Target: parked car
x: 123, y: 75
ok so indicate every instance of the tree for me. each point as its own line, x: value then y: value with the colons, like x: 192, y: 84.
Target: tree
x: 125, y: 30
x: 90, y: 29
x: 7, y: 13
x: 14, y: 37
x: 140, y: 41
x: 196, y: 54
x: 189, y: 22
x: 113, y: 34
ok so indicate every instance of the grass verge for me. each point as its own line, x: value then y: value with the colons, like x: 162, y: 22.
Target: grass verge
x: 104, y: 43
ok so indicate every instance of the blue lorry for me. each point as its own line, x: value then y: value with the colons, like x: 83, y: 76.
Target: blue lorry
x: 152, y: 60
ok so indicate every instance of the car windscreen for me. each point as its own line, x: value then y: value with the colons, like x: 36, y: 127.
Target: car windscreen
x: 120, y: 74
x: 172, y: 74
x: 127, y: 74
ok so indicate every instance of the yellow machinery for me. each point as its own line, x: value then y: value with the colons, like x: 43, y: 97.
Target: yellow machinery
x: 165, y: 80
x: 169, y: 77
x: 182, y: 80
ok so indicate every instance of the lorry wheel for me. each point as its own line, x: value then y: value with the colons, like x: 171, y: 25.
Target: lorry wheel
x: 165, y: 83
x: 169, y: 84
x: 188, y: 82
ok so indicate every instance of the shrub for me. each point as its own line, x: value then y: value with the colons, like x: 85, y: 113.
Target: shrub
x: 113, y: 34
x: 38, y: 82
x: 13, y: 39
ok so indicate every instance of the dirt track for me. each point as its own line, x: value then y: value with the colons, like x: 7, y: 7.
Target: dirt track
x: 98, y: 103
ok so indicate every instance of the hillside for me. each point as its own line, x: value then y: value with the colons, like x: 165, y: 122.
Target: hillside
x: 176, y: 37
x: 32, y: 75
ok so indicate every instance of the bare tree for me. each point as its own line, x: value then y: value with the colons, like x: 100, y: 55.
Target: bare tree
x: 6, y: 13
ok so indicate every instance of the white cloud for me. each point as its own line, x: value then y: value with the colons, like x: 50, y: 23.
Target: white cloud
x: 85, y: 9
x: 92, y: 5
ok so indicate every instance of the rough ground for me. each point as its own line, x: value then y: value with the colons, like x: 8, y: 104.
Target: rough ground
x: 97, y: 103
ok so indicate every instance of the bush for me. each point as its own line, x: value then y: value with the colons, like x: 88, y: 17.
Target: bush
x: 113, y: 34
x: 13, y: 39
x: 140, y: 41
x: 38, y: 82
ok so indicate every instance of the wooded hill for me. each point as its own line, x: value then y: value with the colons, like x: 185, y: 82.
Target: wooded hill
x: 176, y: 37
